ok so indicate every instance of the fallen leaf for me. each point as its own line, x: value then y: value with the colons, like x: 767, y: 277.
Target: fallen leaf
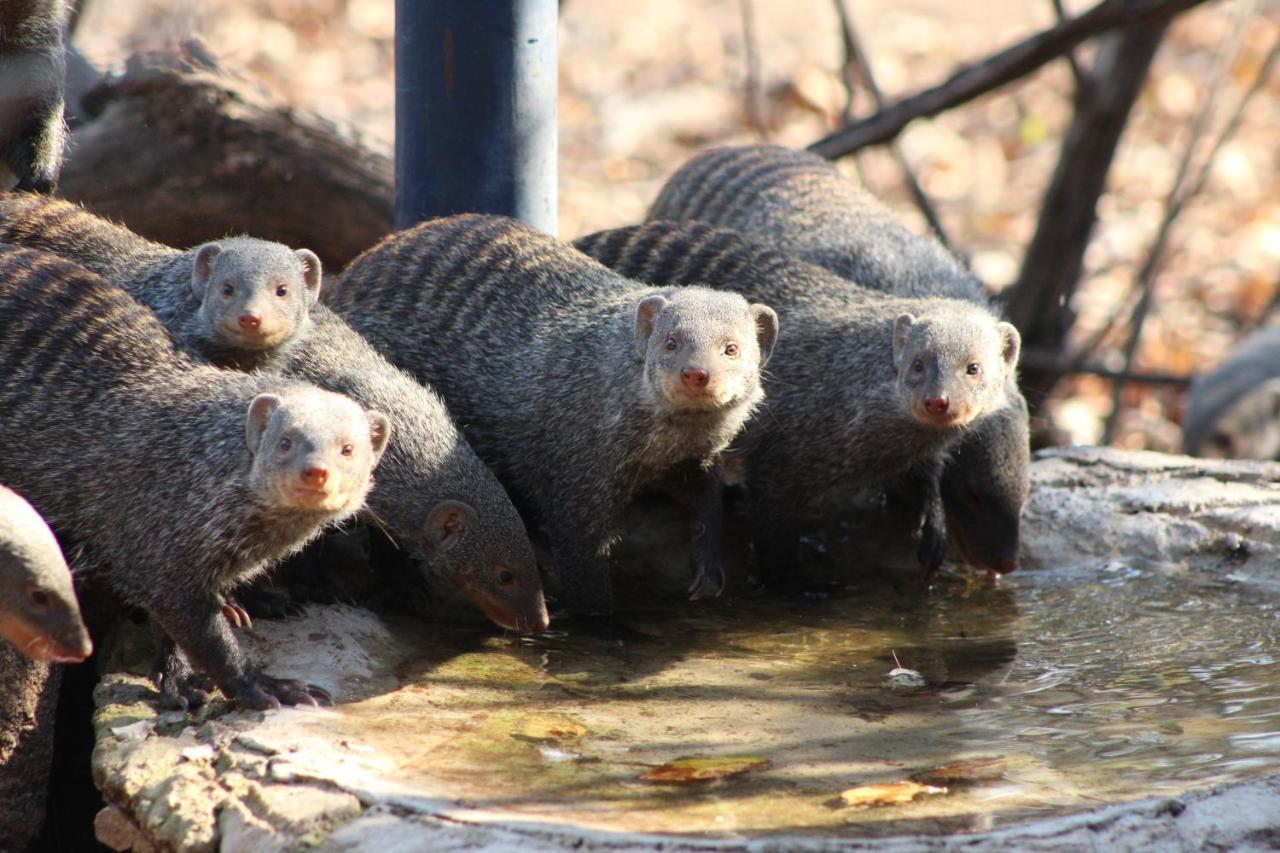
x: 963, y: 772
x: 687, y: 771
x: 887, y: 793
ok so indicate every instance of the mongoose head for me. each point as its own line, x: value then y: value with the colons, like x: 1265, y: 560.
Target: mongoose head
x: 985, y: 485
x: 704, y: 349
x: 313, y: 450
x: 1249, y: 429
x: 254, y: 295
x: 952, y: 364
x: 39, y: 614
x: 499, y: 577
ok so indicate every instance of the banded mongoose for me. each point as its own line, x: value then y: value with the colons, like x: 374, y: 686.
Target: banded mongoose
x: 796, y: 200
x: 433, y: 494
x: 576, y: 385
x: 1233, y: 411
x: 39, y: 614
x: 237, y: 302
x: 865, y: 387
x: 171, y: 480
x: 32, y: 78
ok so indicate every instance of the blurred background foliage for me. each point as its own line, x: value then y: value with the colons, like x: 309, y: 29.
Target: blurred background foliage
x: 644, y: 84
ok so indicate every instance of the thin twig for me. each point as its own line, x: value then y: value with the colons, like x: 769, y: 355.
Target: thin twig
x: 753, y: 94
x: 856, y: 60
x: 1083, y: 80
x: 1004, y: 67
x: 1181, y: 192
x: 1049, y: 362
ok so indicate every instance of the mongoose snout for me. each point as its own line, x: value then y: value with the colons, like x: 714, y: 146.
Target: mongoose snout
x: 39, y: 613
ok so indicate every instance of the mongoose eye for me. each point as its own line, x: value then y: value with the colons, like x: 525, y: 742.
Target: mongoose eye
x: 348, y: 449
x: 506, y: 577
x: 39, y: 598
x: 228, y: 289
x: 285, y: 445
x: 974, y: 369
x: 917, y: 366
x: 282, y: 291
x: 671, y: 343
x: 731, y: 350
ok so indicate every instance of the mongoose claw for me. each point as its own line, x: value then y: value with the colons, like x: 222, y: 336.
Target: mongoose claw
x: 237, y: 615
x: 708, y: 581
x: 182, y: 692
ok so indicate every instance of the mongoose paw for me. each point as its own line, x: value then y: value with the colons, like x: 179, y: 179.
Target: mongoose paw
x: 266, y: 602
x: 708, y: 581
x: 265, y: 691
x: 182, y: 692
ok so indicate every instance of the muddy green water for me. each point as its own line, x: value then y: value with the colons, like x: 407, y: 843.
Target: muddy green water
x: 1067, y: 690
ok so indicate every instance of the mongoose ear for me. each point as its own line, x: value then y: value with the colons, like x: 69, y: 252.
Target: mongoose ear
x: 260, y: 412
x: 203, y: 269
x: 310, y: 274
x: 645, y: 312
x: 901, y: 326
x: 766, y: 330
x: 380, y: 432
x: 1012, y: 343
x: 448, y: 523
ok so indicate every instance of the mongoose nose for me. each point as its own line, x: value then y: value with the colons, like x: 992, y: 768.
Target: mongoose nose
x: 315, y: 476
x: 936, y: 405
x: 250, y: 321
x: 694, y: 378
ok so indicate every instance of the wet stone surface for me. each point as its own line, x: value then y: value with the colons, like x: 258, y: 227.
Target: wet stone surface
x: 1086, y: 680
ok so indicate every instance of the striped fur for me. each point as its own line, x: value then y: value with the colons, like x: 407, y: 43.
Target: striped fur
x: 198, y: 315
x: 137, y: 456
x: 428, y: 466
x: 534, y: 346
x: 838, y: 416
x: 797, y: 200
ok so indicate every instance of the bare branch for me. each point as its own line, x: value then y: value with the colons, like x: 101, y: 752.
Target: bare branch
x: 753, y: 93
x: 1181, y: 192
x: 1081, y: 77
x: 857, y: 61
x: 1039, y: 301
x: 1051, y: 363
x: 997, y: 70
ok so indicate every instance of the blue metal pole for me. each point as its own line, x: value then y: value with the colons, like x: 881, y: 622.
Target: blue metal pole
x: 476, y: 109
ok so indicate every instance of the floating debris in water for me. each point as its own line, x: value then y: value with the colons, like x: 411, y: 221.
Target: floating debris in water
x: 901, y: 678
x: 963, y: 772
x: 690, y: 771
x: 886, y: 794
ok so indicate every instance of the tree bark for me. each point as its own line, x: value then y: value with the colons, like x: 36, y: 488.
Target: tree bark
x: 182, y: 152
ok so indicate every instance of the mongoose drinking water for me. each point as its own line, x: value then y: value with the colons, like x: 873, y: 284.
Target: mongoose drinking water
x: 172, y: 480
x: 433, y: 494
x: 1233, y: 410
x: 39, y: 614
x: 864, y: 387
x: 799, y: 202
x: 32, y: 72
x: 576, y: 385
